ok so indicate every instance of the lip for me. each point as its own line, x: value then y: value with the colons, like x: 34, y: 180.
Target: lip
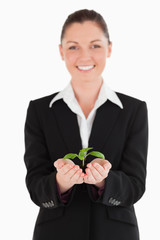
x: 85, y: 68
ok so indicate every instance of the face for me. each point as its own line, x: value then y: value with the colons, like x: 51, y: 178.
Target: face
x: 85, y: 49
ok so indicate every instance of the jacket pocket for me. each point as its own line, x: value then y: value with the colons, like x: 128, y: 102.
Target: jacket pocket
x: 46, y: 215
x: 122, y: 214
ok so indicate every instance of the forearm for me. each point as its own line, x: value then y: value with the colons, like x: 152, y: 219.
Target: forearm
x: 62, y: 186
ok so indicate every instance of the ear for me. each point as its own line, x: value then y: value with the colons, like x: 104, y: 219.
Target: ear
x: 61, y: 51
x: 109, y: 49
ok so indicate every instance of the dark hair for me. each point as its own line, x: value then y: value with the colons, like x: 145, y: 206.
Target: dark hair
x: 85, y: 15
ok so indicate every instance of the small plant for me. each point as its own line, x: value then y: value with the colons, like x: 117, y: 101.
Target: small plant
x: 83, y: 154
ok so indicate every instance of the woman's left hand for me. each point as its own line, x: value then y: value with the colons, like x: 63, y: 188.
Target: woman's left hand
x: 97, y: 171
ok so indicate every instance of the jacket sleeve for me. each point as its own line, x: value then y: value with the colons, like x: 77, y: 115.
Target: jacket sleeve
x: 64, y: 196
x: 41, y: 173
x: 125, y: 186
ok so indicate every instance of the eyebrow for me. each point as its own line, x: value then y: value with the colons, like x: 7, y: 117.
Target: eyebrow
x: 96, y: 40
x: 72, y: 42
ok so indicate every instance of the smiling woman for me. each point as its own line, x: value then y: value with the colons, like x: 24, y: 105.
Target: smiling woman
x: 85, y: 48
x: 96, y: 204
x: 85, y: 57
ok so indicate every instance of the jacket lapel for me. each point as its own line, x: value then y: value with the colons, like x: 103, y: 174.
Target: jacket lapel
x: 68, y: 125
x: 104, y: 121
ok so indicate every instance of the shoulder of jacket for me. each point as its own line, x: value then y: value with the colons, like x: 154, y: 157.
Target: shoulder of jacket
x: 44, y: 100
x: 129, y: 100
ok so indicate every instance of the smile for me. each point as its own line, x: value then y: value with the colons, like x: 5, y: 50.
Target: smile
x: 86, y: 68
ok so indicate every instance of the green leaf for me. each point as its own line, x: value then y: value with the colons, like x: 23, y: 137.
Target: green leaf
x: 81, y: 155
x: 97, y: 154
x: 70, y: 155
x: 85, y: 149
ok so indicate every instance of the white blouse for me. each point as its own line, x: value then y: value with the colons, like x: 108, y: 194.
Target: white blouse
x: 85, y: 124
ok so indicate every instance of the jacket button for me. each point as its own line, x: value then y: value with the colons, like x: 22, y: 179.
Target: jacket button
x: 45, y: 205
x: 114, y: 201
x: 48, y: 204
x: 51, y: 204
x: 111, y: 200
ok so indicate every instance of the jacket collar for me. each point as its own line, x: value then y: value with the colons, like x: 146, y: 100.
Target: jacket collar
x: 67, y: 94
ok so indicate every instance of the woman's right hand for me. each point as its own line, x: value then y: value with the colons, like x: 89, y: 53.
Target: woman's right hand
x: 68, y: 174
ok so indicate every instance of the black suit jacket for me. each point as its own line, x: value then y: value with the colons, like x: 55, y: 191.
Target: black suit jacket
x: 121, y: 135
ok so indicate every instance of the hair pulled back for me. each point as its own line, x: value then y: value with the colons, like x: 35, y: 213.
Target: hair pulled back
x: 85, y: 15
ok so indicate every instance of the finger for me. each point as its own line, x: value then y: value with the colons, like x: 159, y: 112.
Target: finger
x: 56, y: 163
x: 63, y: 170
x: 88, y: 180
x: 99, y: 168
x: 96, y: 174
x: 96, y: 167
x: 89, y: 177
x: 103, y: 170
x: 72, y: 171
x: 75, y: 175
x: 59, y: 163
x: 85, y: 178
x: 107, y: 165
x: 80, y: 180
x: 77, y: 178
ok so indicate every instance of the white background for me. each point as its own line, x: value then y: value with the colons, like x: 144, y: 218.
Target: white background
x: 30, y: 67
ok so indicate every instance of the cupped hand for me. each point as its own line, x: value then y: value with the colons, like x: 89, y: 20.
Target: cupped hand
x: 69, y: 172
x: 97, y: 171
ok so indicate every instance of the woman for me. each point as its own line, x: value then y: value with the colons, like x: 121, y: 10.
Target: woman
x: 96, y: 204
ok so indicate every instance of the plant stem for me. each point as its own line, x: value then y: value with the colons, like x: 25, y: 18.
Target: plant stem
x: 83, y: 163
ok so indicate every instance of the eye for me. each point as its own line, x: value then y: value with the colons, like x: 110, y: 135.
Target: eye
x: 95, y: 46
x: 73, y: 48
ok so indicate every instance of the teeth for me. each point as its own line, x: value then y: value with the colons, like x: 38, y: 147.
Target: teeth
x: 85, y: 67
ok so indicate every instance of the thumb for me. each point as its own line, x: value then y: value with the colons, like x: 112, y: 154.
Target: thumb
x: 107, y: 165
x: 58, y: 163
x: 55, y: 163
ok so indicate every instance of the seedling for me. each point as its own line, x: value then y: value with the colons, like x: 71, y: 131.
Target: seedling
x: 83, y: 155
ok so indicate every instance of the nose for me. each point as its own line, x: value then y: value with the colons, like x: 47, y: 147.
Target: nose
x: 85, y: 54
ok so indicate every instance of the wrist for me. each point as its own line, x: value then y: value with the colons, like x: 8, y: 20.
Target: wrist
x: 100, y: 184
x: 62, y: 186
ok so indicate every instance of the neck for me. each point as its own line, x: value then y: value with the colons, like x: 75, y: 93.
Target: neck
x: 87, y: 92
